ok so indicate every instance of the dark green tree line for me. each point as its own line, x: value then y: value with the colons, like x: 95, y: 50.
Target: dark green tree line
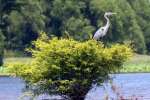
x: 22, y: 20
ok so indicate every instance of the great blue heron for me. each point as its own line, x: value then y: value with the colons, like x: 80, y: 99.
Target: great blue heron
x: 101, y: 32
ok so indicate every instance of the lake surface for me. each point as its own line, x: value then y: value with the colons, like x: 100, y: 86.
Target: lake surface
x: 10, y: 88
x: 129, y: 85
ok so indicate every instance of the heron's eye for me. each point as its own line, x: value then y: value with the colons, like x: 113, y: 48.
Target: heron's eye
x: 102, y: 29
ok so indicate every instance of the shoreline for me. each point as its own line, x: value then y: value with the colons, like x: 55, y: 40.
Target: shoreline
x: 9, y: 75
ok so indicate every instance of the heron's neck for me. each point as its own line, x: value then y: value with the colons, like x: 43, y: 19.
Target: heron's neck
x: 108, y: 21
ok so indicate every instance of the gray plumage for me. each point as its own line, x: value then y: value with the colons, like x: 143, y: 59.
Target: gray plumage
x: 101, y: 32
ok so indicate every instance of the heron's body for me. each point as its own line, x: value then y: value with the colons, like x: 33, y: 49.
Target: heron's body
x: 101, y: 32
x: 97, y: 36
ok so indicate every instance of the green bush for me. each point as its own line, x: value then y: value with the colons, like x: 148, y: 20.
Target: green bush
x: 69, y: 68
x: 17, y: 65
x: 18, y: 69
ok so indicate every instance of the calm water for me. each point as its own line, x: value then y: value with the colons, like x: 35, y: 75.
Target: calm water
x: 129, y: 85
x: 10, y: 88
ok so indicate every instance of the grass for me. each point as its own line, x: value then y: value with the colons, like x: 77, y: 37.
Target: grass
x: 139, y: 63
x: 13, y: 60
x: 14, y: 53
x: 3, y: 71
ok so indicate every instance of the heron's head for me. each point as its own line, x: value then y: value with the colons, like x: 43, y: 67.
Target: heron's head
x: 109, y: 13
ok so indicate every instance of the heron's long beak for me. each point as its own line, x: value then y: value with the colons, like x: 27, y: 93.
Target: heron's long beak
x: 113, y: 13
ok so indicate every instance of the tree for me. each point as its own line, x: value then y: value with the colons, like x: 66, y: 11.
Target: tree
x: 69, y: 68
x: 142, y: 9
x: 20, y: 22
x: 124, y: 25
x: 1, y: 48
x: 31, y: 22
x: 6, y: 6
x: 78, y: 19
x: 68, y: 19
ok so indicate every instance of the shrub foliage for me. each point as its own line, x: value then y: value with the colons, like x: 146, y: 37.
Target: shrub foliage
x: 69, y: 68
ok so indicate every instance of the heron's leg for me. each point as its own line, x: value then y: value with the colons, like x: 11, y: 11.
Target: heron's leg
x: 100, y: 39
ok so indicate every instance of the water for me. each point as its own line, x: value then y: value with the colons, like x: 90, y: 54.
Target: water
x: 129, y: 85
x: 10, y: 88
